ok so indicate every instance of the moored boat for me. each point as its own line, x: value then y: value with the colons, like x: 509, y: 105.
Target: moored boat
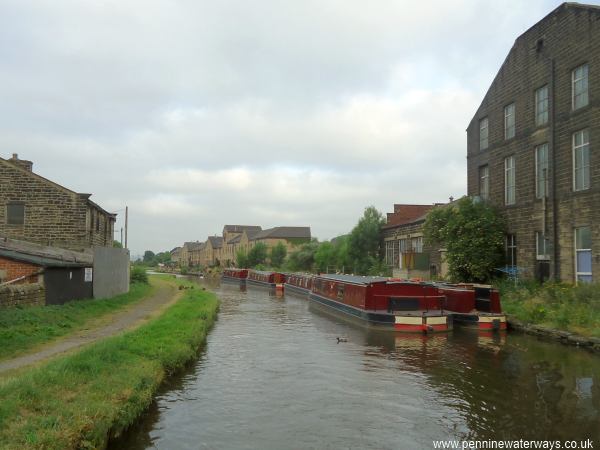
x: 267, y: 279
x: 234, y: 275
x: 378, y: 302
x: 298, y: 283
x: 474, y: 305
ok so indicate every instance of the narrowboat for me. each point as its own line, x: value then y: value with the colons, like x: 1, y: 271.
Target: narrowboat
x: 267, y: 279
x: 377, y: 302
x: 234, y: 275
x: 474, y: 306
x: 298, y: 283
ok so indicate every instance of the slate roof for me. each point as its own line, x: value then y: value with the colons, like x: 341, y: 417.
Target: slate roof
x: 216, y: 241
x: 405, y: 214
x: 241, y: 228
x: 283, y: 233
x: 235, y: 240
x: 42, y: 255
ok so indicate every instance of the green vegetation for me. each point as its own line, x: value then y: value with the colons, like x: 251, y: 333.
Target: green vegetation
x: 257, y: 255
x: 303, y: 259
x: 473, y: 235
x: 79, y: 400
x: 138, y: 275
x: 22, y: 329
x: 365, y: 243
x: 556, y: 305
x: 278, y: 254
x: 151, y: 259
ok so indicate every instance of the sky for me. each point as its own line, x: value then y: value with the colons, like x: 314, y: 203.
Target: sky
x: 196, y: 114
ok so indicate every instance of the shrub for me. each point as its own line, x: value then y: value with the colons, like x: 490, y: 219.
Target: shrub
x: 138, y: 275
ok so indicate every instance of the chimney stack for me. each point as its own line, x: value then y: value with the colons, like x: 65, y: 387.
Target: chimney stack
x: 23, y: 164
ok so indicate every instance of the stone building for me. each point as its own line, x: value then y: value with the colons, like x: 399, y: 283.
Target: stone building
x: 190, y: 254
x: 532, y: 146
x: 406, y: 253
x: 232, y: 236
x: 35, y: 209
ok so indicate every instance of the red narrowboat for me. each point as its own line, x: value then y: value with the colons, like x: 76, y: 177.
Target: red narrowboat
x: 474, y: 305
x: 382, y: 303
x: 268, y: 279
x: 234, y: 275
x: 298, y: 283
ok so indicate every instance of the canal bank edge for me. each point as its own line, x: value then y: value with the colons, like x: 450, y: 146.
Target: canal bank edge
x: 83, y: 400
x: 565, y: 337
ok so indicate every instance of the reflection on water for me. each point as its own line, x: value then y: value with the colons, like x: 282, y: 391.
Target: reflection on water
x: 274, y: 376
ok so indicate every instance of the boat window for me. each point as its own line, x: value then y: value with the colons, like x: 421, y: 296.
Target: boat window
x: 403, y: 304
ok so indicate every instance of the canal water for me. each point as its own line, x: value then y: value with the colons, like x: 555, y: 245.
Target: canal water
x: 273, y: 376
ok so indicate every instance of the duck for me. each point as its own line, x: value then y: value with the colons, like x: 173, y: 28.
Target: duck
x: 341, y: 339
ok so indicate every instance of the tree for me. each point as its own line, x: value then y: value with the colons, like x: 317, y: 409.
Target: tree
x: 149, y: 257
x: 278, y: 254
x: 364, y: 242
x: 303, y: 259
x: 257, y: 254
x: 242, y: 259
x: 117, y: 244
x: 472, y: 233
x: 326, y: 258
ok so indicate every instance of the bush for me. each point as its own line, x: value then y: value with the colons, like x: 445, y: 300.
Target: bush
x: 138, y: 275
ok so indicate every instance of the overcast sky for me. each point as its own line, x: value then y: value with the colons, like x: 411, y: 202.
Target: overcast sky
x: 198, y: 113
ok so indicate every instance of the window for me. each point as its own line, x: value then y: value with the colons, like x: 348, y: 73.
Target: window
x: 509, y: 180
x: 417, y: 244
x: 583, y: 255
x: 484, y: 182
x: 15, y: 214
x: 509, y: 121
x: 541, y: 106
x: 541, y: 246
x: 389, y: 253
x: 483, y: 134
x: 581, y: 160
x: 511, y: 250
x: 579, y: 82
x: 541, y: 171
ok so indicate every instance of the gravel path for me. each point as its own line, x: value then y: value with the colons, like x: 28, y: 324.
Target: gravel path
x: 165, y: 294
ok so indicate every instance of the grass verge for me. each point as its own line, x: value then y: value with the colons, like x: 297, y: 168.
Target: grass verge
x: 556, y: 305
x: 22, y: 329
x: 79, y: 400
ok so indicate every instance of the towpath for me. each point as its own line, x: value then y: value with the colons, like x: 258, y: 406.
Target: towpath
x: 165, y: 294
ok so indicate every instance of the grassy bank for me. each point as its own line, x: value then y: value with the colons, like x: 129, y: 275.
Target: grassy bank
x: 22, y: 329
x: 561, y: 306
x: 76, y: 401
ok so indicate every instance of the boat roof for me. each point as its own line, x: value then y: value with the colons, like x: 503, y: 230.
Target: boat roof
x: 355, y: 279
x: 264, y: 272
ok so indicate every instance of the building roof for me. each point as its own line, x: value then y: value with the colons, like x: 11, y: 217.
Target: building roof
x: 241, y: 228
x: 42, y: 255
x: 405, y: 214
x: 14, y: 164
x: 235, y: 240
x: 216, y: 241
x: 283, y: 233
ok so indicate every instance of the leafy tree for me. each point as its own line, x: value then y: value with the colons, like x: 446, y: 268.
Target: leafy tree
x: 303, y: 259
x: 364, y: 242
x: 148, y: 257
x: 278, y: 254
x: 242, y: 259
x: 472, y: 233
x: 326, y: 257
x: 117, y: 244
x: 257, y: 254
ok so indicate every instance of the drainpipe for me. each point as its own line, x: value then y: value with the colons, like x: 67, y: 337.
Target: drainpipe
x: 555, y: 249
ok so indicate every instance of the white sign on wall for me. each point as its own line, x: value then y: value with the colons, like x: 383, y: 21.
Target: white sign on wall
x: 88, y: 274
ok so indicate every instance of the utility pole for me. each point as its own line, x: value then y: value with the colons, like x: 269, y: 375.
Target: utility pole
x: 126, y: 223
x: 121, y: 236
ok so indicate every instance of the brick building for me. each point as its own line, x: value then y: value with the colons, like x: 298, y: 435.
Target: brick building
x: 35, y: 209
x: 532, y: 146
x: 406, y: 252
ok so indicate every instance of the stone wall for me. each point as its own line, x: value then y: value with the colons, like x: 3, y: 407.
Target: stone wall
x: 53, y: 215
x: 22, y: 295
x: 545, y: 55
x: 110, y: 275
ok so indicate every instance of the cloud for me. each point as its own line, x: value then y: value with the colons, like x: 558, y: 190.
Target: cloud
x: 196, y: 113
